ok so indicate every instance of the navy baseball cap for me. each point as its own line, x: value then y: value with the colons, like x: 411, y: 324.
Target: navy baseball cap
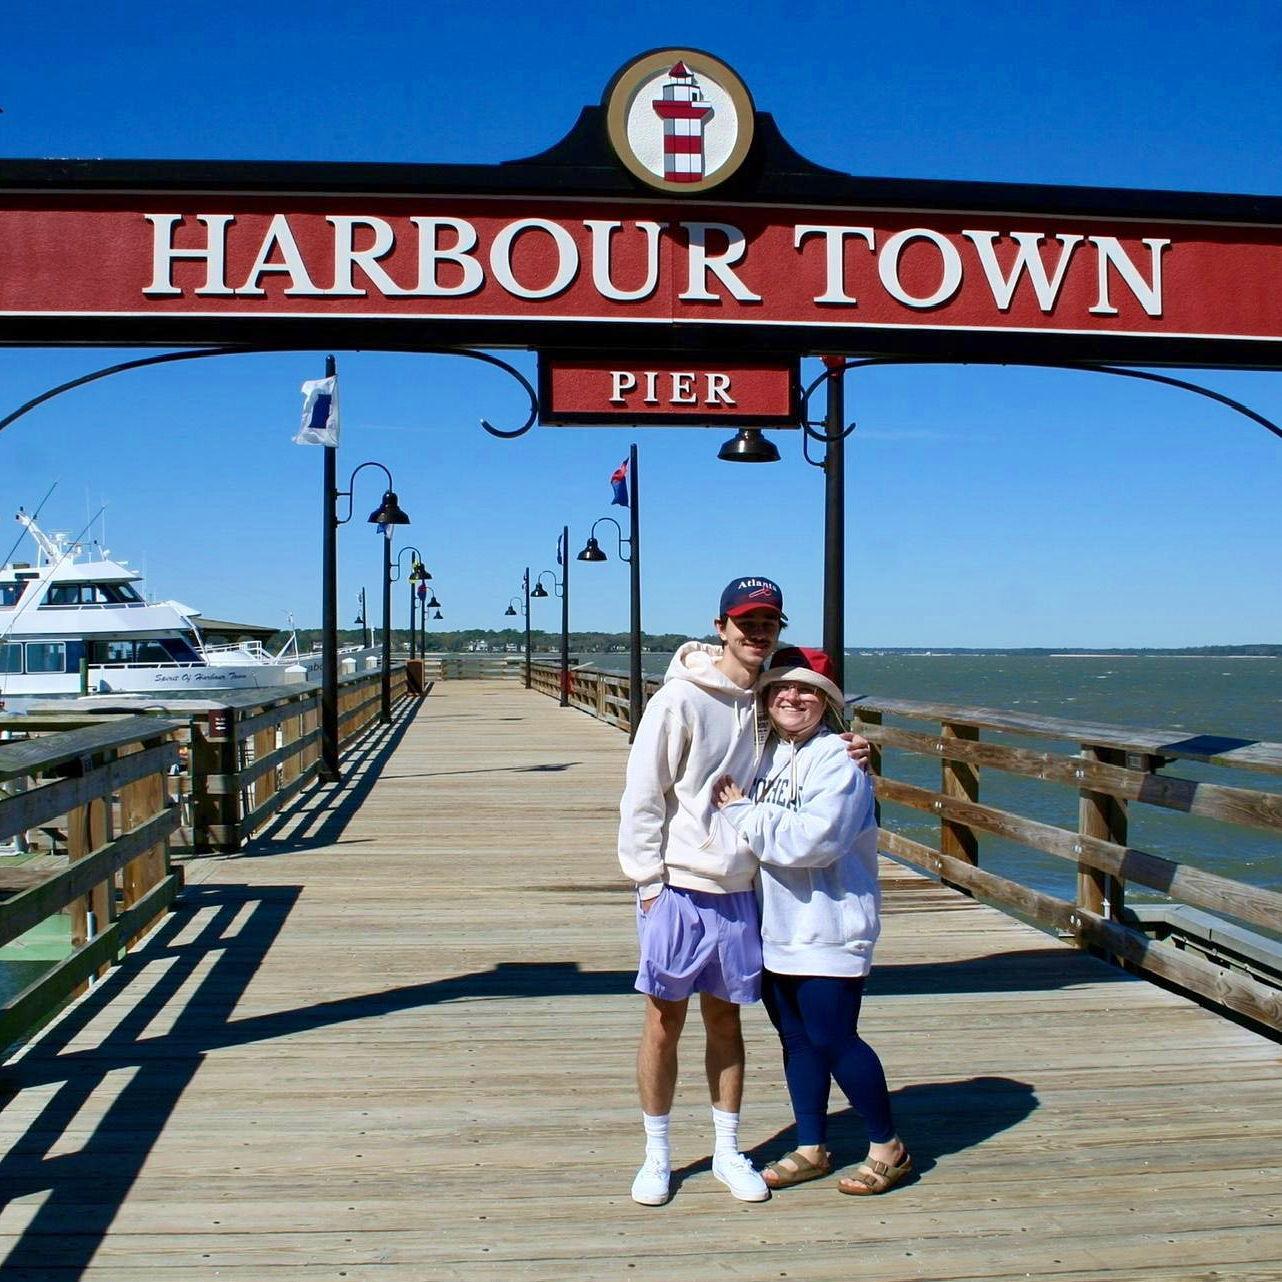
x: 752, y: 593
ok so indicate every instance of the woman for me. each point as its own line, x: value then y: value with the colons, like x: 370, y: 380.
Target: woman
x: 810, y: 822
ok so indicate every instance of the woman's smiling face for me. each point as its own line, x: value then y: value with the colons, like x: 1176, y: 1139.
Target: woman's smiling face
x: 796, y: 709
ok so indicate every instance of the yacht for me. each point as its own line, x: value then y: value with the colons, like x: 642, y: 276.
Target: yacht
x: 74, y: 621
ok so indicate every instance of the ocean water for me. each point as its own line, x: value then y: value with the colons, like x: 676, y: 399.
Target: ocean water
x: 1197, y: 695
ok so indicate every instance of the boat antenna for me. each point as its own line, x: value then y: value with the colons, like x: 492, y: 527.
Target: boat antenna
x: 36, y: 513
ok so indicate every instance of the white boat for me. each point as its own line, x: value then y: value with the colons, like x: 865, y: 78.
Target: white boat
x: 75, y: 608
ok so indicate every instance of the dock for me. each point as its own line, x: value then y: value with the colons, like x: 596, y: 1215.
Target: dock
x: 392, y: 1037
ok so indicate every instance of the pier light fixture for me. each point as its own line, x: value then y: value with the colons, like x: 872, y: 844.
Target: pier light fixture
x: 438, y: 615
x: 433, y: 604
x: 561, y: 587
x: 387, y: 515
x: 525, y: 610
x: 749, y: 445
x: 417, y: 577
x: 629, y: 553
x: 510, y: 612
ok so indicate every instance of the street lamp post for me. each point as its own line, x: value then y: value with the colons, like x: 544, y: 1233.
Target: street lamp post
x: 561, y: 588
x: 363, y: 619
x: 387, y: 514
x: 629, y: 552
x: 511, y: 612
x: 418, y: 575
x: 834, y: 466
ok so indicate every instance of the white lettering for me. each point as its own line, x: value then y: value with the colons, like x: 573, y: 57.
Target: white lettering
x: 950, y: 278
x: 567, y: 258
x: 621, y: 381
x: 682, y: 389
x: 701, y: 263
x: 430, y: 256
x: 163, y: 253
x: 1028, y: 259
x: 347, y: 257
x: 280, y: 236
x: 603, y: 230
x: 1147, y: 293
x: 719, y: 390
x: 651, y: 394
x: 834, y: 257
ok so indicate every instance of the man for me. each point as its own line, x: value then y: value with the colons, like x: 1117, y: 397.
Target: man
x: 697, y: 913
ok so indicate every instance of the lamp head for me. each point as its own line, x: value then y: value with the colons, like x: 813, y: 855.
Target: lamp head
x: 389, y: 511
x: 419, y: 573
x: 433, y: 604
x: 748, y: 445
x: 593, y: 551
x: 437, y: 615
x: 538, y: 590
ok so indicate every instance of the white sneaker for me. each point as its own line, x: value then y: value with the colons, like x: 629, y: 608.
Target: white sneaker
x: 737, y: 1174
x: 650, y: 1187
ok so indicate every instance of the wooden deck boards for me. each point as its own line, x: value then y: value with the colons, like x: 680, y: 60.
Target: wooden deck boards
x: 394, y: 1040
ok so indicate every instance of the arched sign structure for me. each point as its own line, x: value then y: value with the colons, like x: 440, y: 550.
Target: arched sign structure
x: 671, y: 259
x: 673, y: 218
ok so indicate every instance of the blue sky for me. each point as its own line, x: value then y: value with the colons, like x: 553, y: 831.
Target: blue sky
x: 987, y: 506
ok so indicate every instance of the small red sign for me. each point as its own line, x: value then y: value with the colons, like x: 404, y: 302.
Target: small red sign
x: 668, y: 389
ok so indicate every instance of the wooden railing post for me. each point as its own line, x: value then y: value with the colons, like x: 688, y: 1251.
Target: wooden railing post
x: 214, y: 782
x: 1104, y: 816
x: 959, y: 779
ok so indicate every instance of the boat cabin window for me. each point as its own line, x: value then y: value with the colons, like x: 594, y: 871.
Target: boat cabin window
x: 11, y: 592
x: 91, y: 594
x: 122, y: 651
x: 10, y: 657
x: 46, y: 656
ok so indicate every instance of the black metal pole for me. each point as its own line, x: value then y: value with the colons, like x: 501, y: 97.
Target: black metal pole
x: 413, y: 617
x: 329, y: 767
x: 385, y: 710
x: 527, y: 628
x: 366, y: 640
x: 422, y: 649
x: 565, y: 616
x: 636, y: 688
x: 835, y: 519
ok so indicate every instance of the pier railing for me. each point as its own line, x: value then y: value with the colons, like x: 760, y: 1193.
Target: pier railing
x: 101, y: 793
x: 592, y: 690
x: 1110, y: 768
x: 252, y: 754
x: 1190, y: 943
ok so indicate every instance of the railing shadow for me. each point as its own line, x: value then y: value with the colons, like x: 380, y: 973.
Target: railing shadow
x: 320, y: 815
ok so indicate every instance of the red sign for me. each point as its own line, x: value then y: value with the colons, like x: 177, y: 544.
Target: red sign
x: 636, y: 262
x: 667, y: 389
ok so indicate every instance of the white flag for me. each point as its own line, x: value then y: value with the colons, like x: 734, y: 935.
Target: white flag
x: 320, y: 413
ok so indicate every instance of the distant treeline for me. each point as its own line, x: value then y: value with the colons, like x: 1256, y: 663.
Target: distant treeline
x: 617, y: 643
x: 469, y: 638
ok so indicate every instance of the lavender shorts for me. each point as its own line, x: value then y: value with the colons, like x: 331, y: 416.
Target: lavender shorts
x: 695, y: 942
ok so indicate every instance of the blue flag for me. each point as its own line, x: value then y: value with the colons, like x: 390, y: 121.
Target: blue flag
x: 320, y: 413
x: 619, y: 482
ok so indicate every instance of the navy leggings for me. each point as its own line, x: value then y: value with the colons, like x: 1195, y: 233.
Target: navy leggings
x: 817, y: 1019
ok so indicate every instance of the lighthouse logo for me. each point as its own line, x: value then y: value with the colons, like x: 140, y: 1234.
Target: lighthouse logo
x: 679, y: 120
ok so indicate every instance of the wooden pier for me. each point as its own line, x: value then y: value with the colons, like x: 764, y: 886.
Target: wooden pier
x: 392, y: 1038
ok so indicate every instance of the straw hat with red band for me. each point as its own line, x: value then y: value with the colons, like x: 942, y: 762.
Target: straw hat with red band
x: 806, y: 666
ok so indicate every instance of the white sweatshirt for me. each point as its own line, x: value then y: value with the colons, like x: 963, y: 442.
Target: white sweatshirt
x: 697, y: 727
x: 811, y: 823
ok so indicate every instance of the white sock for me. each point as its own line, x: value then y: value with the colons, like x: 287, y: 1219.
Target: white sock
x: 656, y: 1138
x: 726, y: 1126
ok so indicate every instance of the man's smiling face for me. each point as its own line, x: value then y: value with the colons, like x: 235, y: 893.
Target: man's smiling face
x: 750, y: 638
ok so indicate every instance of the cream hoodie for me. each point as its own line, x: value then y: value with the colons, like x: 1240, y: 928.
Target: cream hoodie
x: 698, y: 727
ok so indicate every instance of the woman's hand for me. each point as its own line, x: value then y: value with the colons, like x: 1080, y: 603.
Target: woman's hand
x: 724, y: 791
x: 858, y: 749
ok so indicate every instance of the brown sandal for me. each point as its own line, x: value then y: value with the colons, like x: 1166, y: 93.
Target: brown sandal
x: 803, y: 1169
x: 874, y: 1177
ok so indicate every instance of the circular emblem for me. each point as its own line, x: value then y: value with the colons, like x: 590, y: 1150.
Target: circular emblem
x: 680, y: 120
